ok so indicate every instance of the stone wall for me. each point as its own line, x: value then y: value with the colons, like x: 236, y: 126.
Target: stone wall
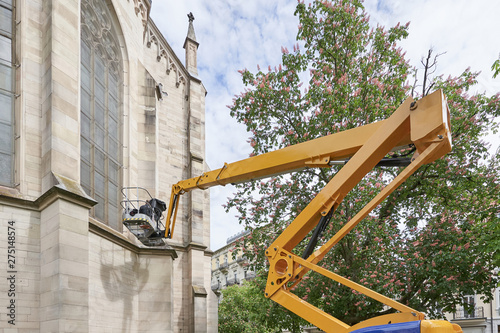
x: 73, y: 273
x: 129, y: 290
x: 20, y: 272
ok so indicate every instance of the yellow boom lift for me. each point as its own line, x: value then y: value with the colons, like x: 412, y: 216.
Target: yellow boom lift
x: 425, y: 124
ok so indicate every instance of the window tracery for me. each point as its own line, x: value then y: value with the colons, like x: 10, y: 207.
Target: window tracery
x: 101, y: 91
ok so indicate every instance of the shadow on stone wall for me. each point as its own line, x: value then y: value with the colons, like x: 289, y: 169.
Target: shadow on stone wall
x: 122, y: 282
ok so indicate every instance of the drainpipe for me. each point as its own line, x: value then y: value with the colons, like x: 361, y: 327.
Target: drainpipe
x: 491, y: 313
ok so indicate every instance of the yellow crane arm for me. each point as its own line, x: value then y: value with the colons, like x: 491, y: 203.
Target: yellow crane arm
x: 425, y: 124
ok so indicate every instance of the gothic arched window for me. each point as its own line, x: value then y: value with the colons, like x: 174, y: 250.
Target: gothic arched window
x: 7, y: 92
x: 101, y: 91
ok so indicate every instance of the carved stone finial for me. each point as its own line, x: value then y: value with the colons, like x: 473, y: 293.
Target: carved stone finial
x: 191, y: 45
x: 191, y: 35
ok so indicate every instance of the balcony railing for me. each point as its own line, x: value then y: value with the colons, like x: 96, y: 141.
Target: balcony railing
x: 477, y: 312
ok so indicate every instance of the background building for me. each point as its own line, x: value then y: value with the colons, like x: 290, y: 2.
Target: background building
x: 480, y: 317
x: 230, y: 267
x: 93, y: 99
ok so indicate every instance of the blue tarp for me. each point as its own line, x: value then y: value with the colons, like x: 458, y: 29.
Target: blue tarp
x: 409, y: 327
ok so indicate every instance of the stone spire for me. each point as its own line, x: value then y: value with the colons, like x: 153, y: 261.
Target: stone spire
x: 191, y: 47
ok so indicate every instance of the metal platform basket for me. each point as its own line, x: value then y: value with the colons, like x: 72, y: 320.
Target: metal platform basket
x: 142, y: 215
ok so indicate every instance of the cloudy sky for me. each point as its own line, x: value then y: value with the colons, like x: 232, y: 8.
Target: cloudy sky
x: 237, y: 34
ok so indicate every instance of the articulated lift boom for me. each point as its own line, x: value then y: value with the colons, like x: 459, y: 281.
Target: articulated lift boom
x: 424, y: 124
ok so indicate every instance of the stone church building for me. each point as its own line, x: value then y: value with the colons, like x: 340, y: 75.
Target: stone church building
x: 93, y: 100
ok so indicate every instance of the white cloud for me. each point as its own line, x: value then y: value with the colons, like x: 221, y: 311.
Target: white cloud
x: 234, y: 35
x: 466, y: 30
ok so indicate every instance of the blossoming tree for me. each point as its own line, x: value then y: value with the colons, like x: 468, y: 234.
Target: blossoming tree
x: 425, y: 244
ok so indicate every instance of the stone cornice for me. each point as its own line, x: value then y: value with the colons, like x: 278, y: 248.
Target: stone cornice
x: 16, y: 201
x: 59, y: 192
x: 115, y: 237
x: 190, y: 247
x: 199, y: 291
x: 196, y: 246
x: 55, y: 193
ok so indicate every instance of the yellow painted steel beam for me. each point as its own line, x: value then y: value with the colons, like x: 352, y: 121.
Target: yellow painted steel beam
x: 381, y: 196
x: 439, y: 326
x: 380, y: 143
x: 302, y: 308
x: 285, y: 267
x: 314, y: 153
x: 425, y: 123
